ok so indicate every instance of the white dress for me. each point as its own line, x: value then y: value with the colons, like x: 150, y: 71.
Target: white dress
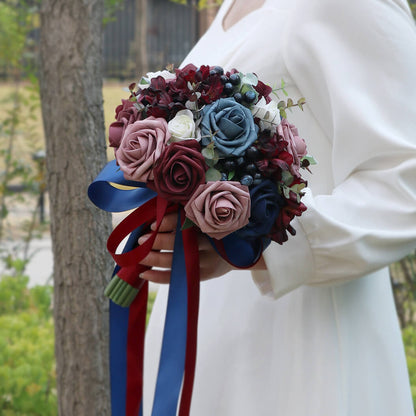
x: 317, y: 335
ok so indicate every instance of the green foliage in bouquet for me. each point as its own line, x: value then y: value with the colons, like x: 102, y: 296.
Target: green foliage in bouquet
x: 27, y: 364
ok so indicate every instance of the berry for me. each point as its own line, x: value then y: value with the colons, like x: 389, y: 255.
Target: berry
x: 218, y: 70
x: 246, y: 180
x: 249, y: 96
x: 235, y: 79
x: 251, y: 169
x: 230, y: 165
x: 224, y: 79
x: 238, y: 97
x: 252, y: 153
x: 257, y: 182
x: 224, y: 176
x: 228, y: 88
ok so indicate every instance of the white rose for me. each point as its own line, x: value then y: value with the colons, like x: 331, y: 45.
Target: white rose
x: 268, y: 114
x: 182, y: 127
x: 168, y: 76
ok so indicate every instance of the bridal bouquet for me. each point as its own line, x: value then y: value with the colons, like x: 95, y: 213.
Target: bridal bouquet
x: 214, y: 146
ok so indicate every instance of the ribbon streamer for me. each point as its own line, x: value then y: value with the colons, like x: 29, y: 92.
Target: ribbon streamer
x: 127, y: 325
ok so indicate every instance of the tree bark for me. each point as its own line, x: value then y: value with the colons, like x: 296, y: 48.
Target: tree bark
x: 140, y: 38
x: 71, y: 94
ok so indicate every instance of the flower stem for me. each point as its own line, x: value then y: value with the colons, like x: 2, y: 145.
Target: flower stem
x: 120, y: 292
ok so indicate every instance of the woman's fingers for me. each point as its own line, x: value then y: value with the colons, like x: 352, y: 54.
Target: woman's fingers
x: 211, y: 264
x: 158, y: 259
x: 156, y: 276
x: 168, y: 223
x: 163, y: 241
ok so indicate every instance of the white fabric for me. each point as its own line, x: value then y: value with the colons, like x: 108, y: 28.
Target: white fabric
x: 331, y: 346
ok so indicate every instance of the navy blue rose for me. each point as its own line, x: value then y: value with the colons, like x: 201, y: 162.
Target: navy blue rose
x: 265, y: 207
x: 231, y: 126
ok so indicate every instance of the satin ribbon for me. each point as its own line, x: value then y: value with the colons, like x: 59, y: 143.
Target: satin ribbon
x: 127, y: 325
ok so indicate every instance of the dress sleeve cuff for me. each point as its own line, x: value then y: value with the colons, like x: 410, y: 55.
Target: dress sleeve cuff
x: 288, y: 266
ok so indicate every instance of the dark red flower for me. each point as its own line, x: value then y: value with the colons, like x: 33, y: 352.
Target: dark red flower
x: 179, y: 171
x: 263, y: 90
x: 126, y: 113
x: 282, y: 225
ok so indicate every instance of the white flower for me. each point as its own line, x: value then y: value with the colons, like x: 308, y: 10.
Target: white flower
x: 168, y: 76
x: 182, y: 127
x: 268, y: 114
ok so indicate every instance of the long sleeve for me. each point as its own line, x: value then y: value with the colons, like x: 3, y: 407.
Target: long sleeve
x: 355, y: 62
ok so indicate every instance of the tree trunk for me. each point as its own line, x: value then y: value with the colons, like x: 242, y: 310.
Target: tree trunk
x: 140, y: 38
x: 71, y: 93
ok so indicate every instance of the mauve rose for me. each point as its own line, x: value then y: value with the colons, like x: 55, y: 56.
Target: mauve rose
x: 296, y: 145
x: 140, y: 148
x: 265, y: 207
x: 231, y: 126
x: 219, y: 208
x: 126, y: 113
x: 179, y: 171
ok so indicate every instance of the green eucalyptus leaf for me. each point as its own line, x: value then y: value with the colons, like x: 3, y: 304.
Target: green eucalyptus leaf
x: 211, y: 162
x: 250, y: 79
x: 287, y: 177
x: 283, y: 114
x: 208, y: 152
x: 212, y: 175
x: 281, y: 105
x: 289, y: 102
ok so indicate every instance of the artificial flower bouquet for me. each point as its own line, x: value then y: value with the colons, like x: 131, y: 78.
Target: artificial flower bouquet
x: 212, y: 145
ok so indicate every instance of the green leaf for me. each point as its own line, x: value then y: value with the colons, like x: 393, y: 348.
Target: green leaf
x: 231, y: 175
x: 297, y: 188
x: 187, y: 224
x: 286, y: 192
x: 208, y: 152
x: 212, y: 175
x: 250, y: 79
x: 281, y: 105
x: 301, y: 103
x: 283, y: 114
x: 211, y: 162
x: 310, y: 159
x: 289, y: 102
x: 287, y: 177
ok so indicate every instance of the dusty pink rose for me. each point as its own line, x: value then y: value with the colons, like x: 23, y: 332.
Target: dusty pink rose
x: 126, y: 113
x: 296, y: 145
x: 219, y: 208
x: 141, y: 146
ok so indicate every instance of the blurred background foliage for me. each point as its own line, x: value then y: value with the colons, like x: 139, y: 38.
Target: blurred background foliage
x: 27, y: 364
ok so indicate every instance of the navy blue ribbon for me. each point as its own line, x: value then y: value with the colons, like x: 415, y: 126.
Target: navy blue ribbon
x: 242, y: 253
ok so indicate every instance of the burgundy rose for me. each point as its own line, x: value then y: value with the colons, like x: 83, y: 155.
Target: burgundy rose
x: 219, y: 208
x: 179, y: 171
x: 126, y: 113
x: 296, y: 146
x: 141, y: 146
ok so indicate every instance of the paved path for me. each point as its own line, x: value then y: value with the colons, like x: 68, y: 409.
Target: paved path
x: 40, y: 266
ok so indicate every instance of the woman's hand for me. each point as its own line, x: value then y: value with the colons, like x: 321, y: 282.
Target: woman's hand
x: 211, y: 264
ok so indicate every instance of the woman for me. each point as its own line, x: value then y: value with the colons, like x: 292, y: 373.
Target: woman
x: 315, y: 332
